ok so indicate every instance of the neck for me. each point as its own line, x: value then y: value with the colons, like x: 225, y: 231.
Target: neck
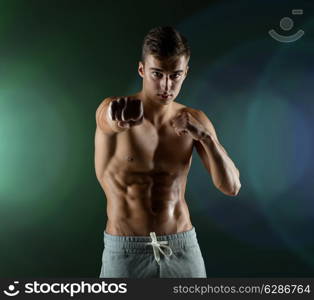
x: 155, y: 112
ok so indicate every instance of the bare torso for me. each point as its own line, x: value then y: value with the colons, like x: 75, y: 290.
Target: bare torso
x: 144, y: 173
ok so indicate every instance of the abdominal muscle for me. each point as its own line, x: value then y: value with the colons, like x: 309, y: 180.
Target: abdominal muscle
x: 140, y: 203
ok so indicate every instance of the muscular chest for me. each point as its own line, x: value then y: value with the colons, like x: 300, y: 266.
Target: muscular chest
x: 145, y: 148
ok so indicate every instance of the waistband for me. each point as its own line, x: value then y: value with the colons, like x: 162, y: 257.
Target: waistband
x: 139, y: 243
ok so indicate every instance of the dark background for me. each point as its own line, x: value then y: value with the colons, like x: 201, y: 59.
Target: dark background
x: 60, y: 59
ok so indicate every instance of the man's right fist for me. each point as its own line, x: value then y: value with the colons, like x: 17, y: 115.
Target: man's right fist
x: 127, y: 112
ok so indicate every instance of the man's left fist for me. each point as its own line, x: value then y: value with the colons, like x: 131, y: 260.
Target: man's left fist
x: 185, y: 124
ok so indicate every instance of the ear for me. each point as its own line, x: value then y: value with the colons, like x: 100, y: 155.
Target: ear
x: 140, y: 69
x: 186, y: 71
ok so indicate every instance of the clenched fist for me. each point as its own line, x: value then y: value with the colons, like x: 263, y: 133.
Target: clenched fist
x: 126, y: 112
x: 185, y: 124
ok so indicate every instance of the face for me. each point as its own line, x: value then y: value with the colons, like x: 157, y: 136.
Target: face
x: 162, y: 79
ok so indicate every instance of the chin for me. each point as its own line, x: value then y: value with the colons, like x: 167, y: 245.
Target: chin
x: 165, y: 101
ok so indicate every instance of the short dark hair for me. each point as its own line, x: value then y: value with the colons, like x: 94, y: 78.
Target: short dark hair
x: 165, y: 42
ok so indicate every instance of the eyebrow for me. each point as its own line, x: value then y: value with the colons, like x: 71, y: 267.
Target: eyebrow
x: 156, y: 69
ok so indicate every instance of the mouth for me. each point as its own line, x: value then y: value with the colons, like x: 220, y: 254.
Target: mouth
x: 164, y: 96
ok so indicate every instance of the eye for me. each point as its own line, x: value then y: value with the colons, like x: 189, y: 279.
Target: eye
x: 176, y: 76
x: 157, y: 74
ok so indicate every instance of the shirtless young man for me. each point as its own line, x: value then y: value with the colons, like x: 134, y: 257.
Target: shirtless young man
x: 143, y: 153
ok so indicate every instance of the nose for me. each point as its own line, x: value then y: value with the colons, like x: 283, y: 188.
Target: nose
x: 165, y: 84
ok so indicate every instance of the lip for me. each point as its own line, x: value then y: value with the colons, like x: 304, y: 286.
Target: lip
x: 164, y: 96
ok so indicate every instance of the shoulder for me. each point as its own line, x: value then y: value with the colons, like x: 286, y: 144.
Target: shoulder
x: 104, y: 103
x: 197, y: 113
x: 102, y: 109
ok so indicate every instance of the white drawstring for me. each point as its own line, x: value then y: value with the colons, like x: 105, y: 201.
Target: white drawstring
x: 157, y: 247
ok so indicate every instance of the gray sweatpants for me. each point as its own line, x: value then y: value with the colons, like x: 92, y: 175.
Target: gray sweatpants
x: 164, y: 256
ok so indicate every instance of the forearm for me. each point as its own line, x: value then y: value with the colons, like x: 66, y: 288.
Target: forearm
x: 224, y: 173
